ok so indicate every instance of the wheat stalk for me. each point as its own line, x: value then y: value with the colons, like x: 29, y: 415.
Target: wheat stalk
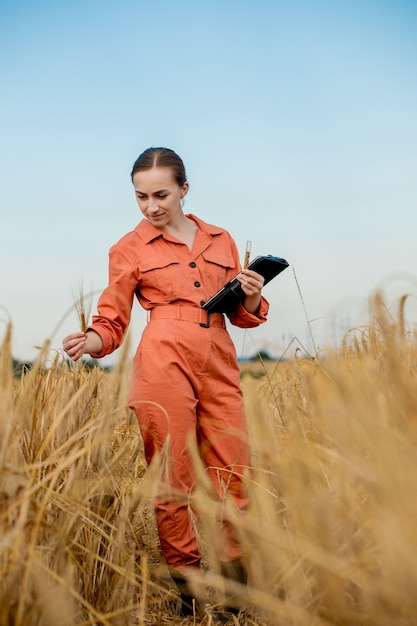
x: 83, y: 303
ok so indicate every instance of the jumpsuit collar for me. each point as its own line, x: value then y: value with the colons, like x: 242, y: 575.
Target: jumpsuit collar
x: 148, y: 232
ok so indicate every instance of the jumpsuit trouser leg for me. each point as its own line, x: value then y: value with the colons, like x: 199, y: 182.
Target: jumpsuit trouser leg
x: 186, y: 382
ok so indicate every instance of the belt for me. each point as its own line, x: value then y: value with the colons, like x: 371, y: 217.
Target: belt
x: 187, y: 314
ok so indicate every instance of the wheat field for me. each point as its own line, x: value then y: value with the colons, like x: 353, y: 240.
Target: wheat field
x: 331, y: 531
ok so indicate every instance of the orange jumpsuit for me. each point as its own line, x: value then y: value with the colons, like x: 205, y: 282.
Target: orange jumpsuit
x: 185, y: 375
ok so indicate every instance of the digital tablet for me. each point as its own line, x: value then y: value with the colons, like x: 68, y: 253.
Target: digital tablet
x: 228, y: 297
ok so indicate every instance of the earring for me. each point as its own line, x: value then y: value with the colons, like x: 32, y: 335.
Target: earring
x: 182, y: 202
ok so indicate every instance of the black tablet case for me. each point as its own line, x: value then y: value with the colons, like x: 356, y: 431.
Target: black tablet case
x: 228, y: 297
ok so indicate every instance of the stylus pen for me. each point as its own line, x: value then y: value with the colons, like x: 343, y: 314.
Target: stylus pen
x: 247, y: 254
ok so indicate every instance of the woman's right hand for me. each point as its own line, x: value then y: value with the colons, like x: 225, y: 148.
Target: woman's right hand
x: 74, y: 345
x: 77, y: 344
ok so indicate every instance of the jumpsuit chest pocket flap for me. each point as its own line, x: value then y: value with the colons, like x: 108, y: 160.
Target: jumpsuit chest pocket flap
x: 219, y: 256
x: 218, y: 263
x: 161, y: 278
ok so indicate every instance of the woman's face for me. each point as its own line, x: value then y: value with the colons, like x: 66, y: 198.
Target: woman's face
x: 158, y: 195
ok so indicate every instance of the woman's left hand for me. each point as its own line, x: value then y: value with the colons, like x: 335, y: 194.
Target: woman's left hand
x: 252, y: 284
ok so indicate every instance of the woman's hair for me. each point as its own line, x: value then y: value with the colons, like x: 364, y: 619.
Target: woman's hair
x: 161, y: 157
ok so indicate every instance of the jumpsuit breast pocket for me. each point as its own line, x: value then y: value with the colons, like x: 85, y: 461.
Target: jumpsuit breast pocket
x: 219, y: 267
x: 161, y: 279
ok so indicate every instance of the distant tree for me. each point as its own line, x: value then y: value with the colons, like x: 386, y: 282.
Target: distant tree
x: 262, y: 355
x: 88, y: 364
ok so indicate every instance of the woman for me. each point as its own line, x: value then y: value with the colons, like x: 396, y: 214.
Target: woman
x: 185, y: 376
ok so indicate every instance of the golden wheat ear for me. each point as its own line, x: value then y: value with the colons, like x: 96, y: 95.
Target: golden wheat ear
x: 82, y: 303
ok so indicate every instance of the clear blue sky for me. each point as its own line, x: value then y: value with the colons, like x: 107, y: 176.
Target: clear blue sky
x: 297, y: 122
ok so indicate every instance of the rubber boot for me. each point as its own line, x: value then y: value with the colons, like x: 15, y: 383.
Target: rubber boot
x: 236, y: 572
x: 190, y: 604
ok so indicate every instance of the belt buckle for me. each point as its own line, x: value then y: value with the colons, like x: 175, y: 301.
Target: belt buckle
x: 207, y: 325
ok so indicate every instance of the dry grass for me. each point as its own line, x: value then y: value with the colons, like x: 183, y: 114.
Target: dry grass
x: 331, y: 531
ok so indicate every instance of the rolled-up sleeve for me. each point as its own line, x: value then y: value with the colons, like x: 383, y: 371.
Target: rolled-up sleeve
x: 115, y: 303
x: 243, y: 319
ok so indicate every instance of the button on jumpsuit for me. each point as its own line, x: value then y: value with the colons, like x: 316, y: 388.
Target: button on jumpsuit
x: 185, y: 375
